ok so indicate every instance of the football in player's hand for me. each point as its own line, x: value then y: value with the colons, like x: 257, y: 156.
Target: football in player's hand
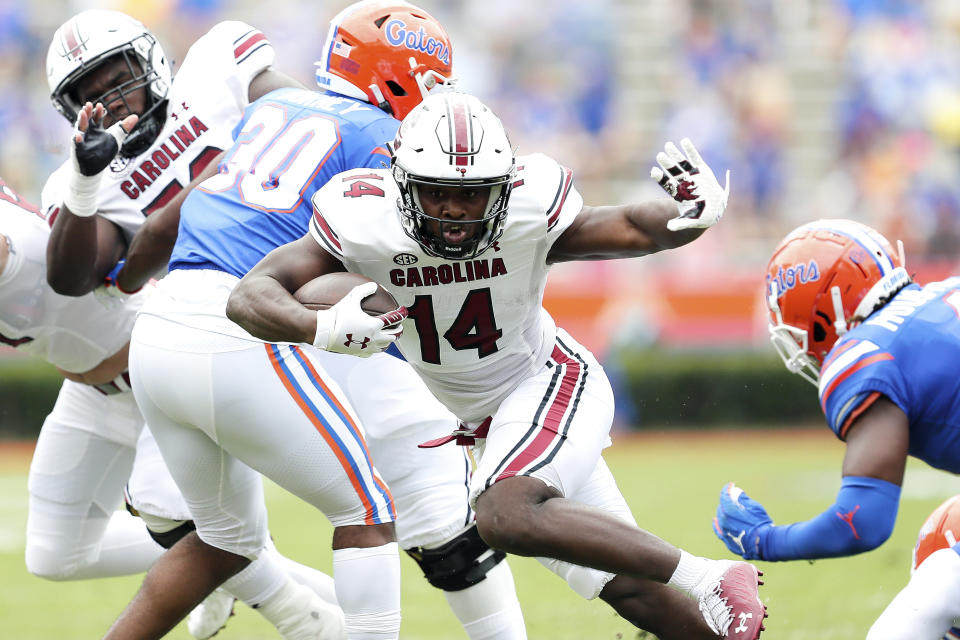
x: 327, y: 290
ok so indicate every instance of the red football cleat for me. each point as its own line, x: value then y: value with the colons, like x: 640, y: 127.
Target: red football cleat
x: 732, y: 605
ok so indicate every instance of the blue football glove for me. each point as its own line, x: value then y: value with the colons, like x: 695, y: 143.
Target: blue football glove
x: 741, y: 522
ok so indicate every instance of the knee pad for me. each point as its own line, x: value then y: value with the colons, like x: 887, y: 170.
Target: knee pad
x: 167, y: 539
x: 458, y: 564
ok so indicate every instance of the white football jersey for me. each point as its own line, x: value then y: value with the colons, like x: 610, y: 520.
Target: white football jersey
x: 75, y: 334
x: 476, y: 328
x: 206, y: 101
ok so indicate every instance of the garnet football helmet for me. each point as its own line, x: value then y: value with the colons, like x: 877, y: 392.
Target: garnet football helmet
x: 825, y: 277
x: 86, y: 41
x: 452, y: 140
x: 388, y: 53
x: 940, y: 531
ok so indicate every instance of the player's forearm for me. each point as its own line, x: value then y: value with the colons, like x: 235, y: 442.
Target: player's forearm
x: 72, y: 252
x: 267, y: 311
x: 151, y: 247
x: 861, y: 519
x: 651, y: 219
x: 149, y: 253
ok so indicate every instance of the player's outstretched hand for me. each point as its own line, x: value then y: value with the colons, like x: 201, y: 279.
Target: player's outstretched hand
x: 346, y: 328
x: 93, y: 146
x: 741, y: 522
x: 701, y: 200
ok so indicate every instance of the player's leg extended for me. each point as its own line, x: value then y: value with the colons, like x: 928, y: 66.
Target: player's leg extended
x: 543, y: 445
x: 82, y: 460
x: 313, y: 446
x: 430, y: 488
x: 647, y: 604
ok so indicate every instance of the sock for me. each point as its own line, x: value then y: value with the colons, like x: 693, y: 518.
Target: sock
x: 258, y: 582
x: 490, y: 609
x: 368, y: 588
x: 319, y: 582
x: 689, y: 574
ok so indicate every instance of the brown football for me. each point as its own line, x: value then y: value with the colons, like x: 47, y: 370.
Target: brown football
x: 327, y: 290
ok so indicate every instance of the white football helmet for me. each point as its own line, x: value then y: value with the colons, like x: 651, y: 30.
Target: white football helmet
x: 452, y: 140
x: 86, y: 41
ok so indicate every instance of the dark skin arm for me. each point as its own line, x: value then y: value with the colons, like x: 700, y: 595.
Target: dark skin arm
x: 626, y: 231
x: 262, y: 302
x: 82, y: 250
x: 878, y: 442
x: 270, y: 80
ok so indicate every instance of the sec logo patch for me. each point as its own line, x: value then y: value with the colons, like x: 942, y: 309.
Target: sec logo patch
x: 404, y: 259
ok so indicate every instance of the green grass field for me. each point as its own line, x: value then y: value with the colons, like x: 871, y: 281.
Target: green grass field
x: 670, y: 480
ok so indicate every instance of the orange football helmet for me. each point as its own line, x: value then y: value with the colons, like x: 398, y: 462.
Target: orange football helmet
x: 389, y: 53
x: 940, y: 531
x: 824, y: 278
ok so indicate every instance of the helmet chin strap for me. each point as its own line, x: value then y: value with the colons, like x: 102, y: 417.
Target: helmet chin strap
x: 840, y: 324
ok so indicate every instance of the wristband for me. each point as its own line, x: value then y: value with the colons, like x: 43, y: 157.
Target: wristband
x: 326, y: 319
x: 81, y: 198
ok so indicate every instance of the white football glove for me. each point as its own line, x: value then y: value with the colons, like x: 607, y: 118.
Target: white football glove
x: 346, y: 328
x: 700, y: 199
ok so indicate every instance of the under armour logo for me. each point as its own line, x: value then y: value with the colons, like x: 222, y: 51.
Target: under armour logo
x: 350, y: 341
x: 496, y: 245
x: 685, y: 190
x: 739, y: 540
x: 743, y: 622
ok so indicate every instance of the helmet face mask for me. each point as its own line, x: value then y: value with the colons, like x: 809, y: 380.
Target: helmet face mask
x: 388, y: 53
x: 84, y: 45
x: 453, y: 141
x: 824, y: 278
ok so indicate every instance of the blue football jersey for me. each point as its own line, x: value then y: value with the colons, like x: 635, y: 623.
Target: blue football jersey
x: 908, y: 351
x: 288, y: 144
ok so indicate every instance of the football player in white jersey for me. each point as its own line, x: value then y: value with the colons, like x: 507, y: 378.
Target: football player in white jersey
x: 370, y: 71
x: 463, y: 236
x: 183, y: 123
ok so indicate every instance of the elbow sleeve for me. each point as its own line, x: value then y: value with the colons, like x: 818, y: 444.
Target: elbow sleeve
x: 861, y: 519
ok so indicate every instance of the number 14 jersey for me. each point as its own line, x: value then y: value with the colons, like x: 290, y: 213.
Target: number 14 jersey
x: 477, y: 328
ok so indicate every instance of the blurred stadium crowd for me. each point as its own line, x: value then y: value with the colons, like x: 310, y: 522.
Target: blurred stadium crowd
x: 820, y: 108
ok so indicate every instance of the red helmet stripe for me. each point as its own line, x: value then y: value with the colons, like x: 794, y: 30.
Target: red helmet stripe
x: 461, y: 133
x: 71, y: 39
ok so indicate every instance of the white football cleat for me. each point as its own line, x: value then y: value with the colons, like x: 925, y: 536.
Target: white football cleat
x: 211, y: 615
